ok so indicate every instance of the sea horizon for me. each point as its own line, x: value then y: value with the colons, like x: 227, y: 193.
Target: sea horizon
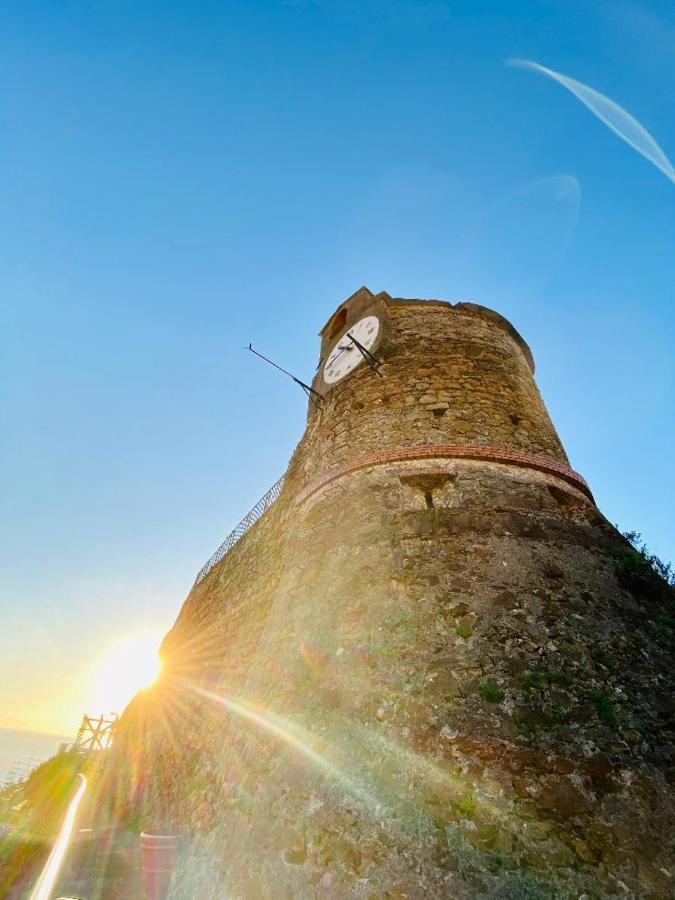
x: 22, y: 745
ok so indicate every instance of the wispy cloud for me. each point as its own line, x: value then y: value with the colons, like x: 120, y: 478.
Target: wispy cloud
x: 609, y: 112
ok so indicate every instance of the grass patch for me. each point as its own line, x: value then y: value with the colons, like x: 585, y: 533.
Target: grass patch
x: 464, y: 631
x: 665, y: 623
x: 558, y: 715
x: 642, y: 572
x: 604, y: 707
x: 466, y: 805
x: 539, y: 679
x: 526, y: 727
x: 491, y: 692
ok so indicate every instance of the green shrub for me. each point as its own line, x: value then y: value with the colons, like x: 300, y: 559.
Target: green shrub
x: 466, y: 805
x: 526, y: 726
x: 642, y: 572
x: 491, y: 692
x: 539, y: 679
x: 604, y: 707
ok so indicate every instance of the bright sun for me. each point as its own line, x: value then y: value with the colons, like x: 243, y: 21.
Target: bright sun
x: 129, y: 666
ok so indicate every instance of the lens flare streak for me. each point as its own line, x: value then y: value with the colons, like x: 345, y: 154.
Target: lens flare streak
x: 289, y: 732
x: 45, y: 884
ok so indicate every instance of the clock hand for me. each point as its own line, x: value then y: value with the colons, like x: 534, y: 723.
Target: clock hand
x: 372, y: 361
x: 341, y: 349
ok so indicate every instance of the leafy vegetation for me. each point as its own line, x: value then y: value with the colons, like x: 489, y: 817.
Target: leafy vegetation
x: 651, y: 581
x: 526, y: 726
x: 642, y: 572
x: 539, y: 679
x: 466, y: 805
x: 34, y: 809
x: 604, y: 707
x: 490, y: 692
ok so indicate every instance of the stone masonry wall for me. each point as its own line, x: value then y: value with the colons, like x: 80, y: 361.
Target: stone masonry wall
x: 449, y: 376
x: 428, y: 678
x: 227, y: 611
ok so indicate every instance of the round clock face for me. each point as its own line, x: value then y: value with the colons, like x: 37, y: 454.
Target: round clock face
x: 345, y: 355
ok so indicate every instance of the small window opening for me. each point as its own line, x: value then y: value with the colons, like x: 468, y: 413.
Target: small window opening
x: 429, y: 499
x: 439, y: 412
x: 338, y: 323
x: 515, y: 420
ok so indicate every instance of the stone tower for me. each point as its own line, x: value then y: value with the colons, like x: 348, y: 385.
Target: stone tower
x: 432, y: 668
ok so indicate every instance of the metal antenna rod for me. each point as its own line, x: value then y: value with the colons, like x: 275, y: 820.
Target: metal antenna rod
x: 313, y: 395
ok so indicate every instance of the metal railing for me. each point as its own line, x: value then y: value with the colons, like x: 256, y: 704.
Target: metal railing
x: 20, y: 769
x: 247, y: 522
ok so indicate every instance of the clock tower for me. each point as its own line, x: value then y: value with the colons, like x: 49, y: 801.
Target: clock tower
x: 426, y: 666
x: 404, y: 379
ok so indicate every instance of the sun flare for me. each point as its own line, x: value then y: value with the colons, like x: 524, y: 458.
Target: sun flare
x: 129, y: 666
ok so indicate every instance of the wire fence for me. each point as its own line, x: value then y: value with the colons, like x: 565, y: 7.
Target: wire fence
x: 240, y: 530
x: 20, y: 769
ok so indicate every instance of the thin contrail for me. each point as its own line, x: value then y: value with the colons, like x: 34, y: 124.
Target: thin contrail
x: 609, y: 112
x: 45, y: 885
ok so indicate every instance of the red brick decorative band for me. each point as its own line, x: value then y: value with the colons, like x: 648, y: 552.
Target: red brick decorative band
x: 452, y: 451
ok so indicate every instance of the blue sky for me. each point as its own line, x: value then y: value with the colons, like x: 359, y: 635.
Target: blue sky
x: 179, y: 179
